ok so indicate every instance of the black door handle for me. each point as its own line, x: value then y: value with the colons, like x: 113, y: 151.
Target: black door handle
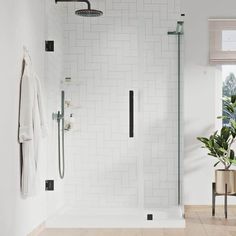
x: 131, y: 113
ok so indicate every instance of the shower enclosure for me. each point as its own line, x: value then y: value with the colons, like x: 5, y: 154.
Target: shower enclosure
x: 121, y: 77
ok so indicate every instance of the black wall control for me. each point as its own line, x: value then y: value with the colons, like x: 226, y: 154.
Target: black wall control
x: 149, y: 217
x: 49, y: 46
x: 49, y: 185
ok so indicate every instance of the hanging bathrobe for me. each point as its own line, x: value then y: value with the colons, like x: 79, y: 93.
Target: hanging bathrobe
x: 31, y: 127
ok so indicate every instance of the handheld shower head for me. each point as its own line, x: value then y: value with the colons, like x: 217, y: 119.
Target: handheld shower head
x: 84, y: 12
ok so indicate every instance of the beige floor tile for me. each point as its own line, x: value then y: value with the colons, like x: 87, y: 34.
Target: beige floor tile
x: 65, y: 232
x: 152, y: 232
x: 174, y: 232
x: 131, y: 232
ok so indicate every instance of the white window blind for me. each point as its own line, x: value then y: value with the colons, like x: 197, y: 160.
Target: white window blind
x: 222, y: 36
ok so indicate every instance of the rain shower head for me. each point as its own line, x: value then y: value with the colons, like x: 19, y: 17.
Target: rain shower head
x: 84, y: 12
x: 88, y: 12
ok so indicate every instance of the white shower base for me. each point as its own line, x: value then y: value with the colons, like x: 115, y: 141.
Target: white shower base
x: 126, y: 218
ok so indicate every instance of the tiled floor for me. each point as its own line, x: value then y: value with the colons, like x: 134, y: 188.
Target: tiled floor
x: 198, y: 223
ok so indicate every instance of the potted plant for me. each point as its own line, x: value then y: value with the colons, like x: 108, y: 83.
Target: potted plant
x: 219, y: 146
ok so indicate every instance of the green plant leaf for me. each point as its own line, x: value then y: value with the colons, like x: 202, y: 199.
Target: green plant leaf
x: 211, y: 154
x: 233, y: 98
x: 216, y: 163
x: 233, y: 123
x: 203, y: 140
x: 225, y: 133
x: 223, y: 150
x: 229, y: 107
x: 222, y: 117
x: 232, y: 154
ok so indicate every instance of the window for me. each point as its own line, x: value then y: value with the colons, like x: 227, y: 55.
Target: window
x: 222, y: 51
x: 229, y: 40
x: 228, y: 44
x: 229, y: 83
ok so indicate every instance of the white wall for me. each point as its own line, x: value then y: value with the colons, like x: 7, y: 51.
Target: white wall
x: 200, y: 97
x: 22, y: 23
x: 127, y: 48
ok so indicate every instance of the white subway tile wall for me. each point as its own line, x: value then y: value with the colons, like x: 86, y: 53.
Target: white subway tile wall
x: 126, y: 49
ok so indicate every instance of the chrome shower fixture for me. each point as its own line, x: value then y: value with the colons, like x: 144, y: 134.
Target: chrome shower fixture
x: 84, y: 12
x: 179, y: 29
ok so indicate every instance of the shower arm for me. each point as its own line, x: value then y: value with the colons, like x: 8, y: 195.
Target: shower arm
x: 86, y: 1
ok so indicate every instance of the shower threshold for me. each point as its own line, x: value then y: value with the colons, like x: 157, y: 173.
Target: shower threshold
x: 127, y: 218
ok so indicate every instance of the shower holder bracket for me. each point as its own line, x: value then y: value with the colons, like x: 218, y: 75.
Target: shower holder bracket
x: 57, y: 116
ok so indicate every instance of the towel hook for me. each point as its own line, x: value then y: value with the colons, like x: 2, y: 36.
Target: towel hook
x: 26, y: 53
